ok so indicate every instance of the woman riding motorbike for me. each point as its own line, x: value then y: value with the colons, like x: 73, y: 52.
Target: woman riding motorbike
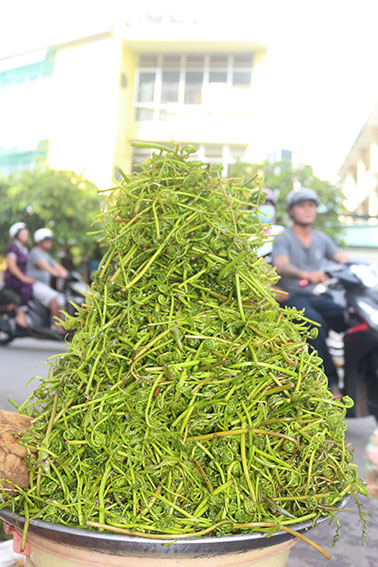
x: 15, y: 275
x: 266, y: 214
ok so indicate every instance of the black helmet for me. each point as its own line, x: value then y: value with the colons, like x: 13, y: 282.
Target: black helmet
x: 301, y: 194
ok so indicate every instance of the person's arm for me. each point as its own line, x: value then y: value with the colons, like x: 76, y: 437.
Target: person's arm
x: 42, y: 265
x: 61, y: 271
x: 15, y: 270
x: 341, y: 257
x: 287, y: 270
x: 333, y: 252
x: 50, y: 265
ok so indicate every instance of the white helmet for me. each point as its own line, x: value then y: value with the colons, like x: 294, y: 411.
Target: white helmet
x: 42, y: 234
x: 15, y: 229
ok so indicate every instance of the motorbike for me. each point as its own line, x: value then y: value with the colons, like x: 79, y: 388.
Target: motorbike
x: 354, y: 286
x: 38, y: 317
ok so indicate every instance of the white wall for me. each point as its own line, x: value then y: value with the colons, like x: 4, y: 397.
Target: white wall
x: 82, y: 111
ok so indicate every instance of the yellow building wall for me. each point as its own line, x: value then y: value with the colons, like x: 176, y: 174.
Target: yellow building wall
x: 237, y: 125
x: 125, y: 109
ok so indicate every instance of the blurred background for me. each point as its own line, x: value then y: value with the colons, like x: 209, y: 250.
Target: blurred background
x: 287, y: 89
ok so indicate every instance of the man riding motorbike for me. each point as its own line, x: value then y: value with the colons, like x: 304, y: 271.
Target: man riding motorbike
x: 298, y: 254
x: 15, y: 274
x: 41, y: 266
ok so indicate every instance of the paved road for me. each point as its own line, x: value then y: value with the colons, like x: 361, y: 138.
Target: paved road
x: 349, y: 550
x: 19, y: 362
x: 24, y: 358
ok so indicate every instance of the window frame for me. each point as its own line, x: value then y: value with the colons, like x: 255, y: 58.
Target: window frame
x: 181, y: 108
x: 227, y: 156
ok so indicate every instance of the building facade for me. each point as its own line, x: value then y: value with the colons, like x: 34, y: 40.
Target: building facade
x: 59, y: 104
x: 359, y: 181
x: 359, y: 171
x: 79, y: 105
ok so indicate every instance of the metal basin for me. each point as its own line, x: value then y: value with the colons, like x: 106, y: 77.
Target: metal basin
x: 130, y: 546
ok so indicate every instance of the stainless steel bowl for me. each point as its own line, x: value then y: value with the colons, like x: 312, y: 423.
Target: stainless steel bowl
x: 114, y: 544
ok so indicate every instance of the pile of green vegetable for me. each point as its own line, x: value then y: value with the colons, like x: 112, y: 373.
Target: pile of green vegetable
x: 188, y: 402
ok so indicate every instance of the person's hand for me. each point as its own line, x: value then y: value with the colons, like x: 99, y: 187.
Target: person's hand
x: 60, y: 272
x: 280, y: 295
x: 28, y: 280
x: 316, y: 277
x: 63, y: 273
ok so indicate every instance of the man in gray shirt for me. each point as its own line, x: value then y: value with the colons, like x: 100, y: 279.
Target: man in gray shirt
x: 298, y: 255
x: 41, y: 266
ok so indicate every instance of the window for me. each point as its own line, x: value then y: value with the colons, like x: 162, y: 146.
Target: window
x: 238, y: 152
x: 214, y: 152
x: 172, y: 85
x: 243, y: 60
x: 148, y: 61
x: 165, y: 114
x: 218, y: 69
x: 193, y: 87
x: 241, y: 79
x: 14, y: 159
x: 144, y: 114
x: 169, y: 86
x: 218, y: 77
x: 28, y: 72
x: 146, y: 87
x: 195, y: 61
x: 171, y: 60
x: 139, y: 156
x: 208, y: 153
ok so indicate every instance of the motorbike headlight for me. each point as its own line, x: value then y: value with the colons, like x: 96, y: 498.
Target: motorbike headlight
x: 369, y: 312
x: 367, y: 274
